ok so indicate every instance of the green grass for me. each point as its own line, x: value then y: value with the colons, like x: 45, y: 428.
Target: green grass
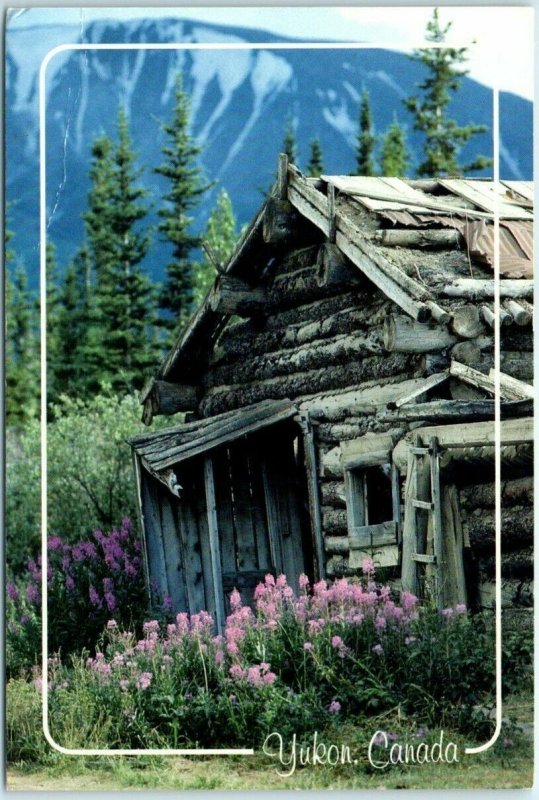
x: 503, y: 767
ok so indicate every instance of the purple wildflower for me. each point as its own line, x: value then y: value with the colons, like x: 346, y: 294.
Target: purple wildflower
x: 334, y: 707
x: 144, y: 680
x: 12, y: 592
x: 32, y: 593
x: 54, y: 543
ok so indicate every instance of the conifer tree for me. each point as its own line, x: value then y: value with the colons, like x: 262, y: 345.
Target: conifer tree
x: 444, y: 138
x: 186, y: 187
x: 290, y: 145
x: 394, y: 157
x: 53, y: 310
x: 22, y: 349
x: 77, y: 370
x: 220, y: 237
x: 315, y: 167
x: 21, y: 340
x: 366, y: 140
x: 119, y: 341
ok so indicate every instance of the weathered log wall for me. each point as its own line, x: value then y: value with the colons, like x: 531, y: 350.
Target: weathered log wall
x: 478, y: 515
x: 343, y: 351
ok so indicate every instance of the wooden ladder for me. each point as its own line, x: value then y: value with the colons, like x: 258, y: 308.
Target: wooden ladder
x: 423, y: 494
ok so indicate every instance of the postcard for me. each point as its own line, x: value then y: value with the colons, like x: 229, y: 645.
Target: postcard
x: 269, y: 398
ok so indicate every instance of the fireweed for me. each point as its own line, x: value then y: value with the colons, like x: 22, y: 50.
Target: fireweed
x: 88, y: 583
x: 294, y: 664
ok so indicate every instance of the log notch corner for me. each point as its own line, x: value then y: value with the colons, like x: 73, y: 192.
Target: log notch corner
x: 161, y: 397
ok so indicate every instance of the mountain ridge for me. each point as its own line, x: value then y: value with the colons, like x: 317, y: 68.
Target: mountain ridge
x: 240, y: 100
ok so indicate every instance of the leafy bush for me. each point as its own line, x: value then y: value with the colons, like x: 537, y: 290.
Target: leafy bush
x: 294, y: 665
x: 90, y: 477
x: 88, y: 582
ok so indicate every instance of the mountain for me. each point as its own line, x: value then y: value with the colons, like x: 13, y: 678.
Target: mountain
x: 240, y: 101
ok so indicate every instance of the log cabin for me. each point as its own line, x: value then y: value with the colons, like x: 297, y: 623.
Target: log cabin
x: 352, y: 385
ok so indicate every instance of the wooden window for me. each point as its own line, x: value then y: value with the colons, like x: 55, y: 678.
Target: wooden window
x: 372, y: 500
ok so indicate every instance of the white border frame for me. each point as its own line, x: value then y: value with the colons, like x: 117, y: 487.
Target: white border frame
x: 43, y: 355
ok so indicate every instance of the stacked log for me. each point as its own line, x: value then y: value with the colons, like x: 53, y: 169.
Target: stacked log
x: 478, y: 514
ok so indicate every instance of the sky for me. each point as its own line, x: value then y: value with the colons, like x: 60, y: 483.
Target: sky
x: 500, y: 39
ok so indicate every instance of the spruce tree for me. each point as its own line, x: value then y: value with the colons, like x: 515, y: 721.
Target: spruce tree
x: 78, y: 369
x: 366, y: 140
x: 290, y: 145
x: 220, y: 237
x: 53, y: 310
x: 444, y: 138
x: 394, y: 157
x: 186, y: 187
x: 119, y: 346
x: 22, y: 349
x: 315, y: 167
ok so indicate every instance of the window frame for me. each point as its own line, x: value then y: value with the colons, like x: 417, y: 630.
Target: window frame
x: 357, y: 455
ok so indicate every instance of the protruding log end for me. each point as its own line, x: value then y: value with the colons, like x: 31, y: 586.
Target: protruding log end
x: 280, y: 220
x: 466, y: 322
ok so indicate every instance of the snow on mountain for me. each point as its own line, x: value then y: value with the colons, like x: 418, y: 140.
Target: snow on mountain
x: 240, y: 100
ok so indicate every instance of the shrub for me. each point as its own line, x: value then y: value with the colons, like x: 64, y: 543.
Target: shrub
x: 88, y: 582
x: 296, y: 664
x: 90, y: 478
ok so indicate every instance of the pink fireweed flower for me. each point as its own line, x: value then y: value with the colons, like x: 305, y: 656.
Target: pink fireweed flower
x: 235, y: 600
x: 460, y: 608
x: 269, y: 580
x: 378, y: 649
x: 269, y: 678
x: 280, y: 583
x: 334, y: 707
x: 219, y: 657
x: 151, y: 627
x: 408, y: 600
x: 144, y: 680
x: 367, y: 567
x: 337, y: 642
x: 320, y: 588
x: 447, y: 612
x: 308, y: 646
x: 303, y: 581
x: 201, y: 622
x: 236, y: 672
x: 380, y: 622
x: 182, y: 623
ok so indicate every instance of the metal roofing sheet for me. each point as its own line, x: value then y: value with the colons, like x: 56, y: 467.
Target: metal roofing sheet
x: 516, y: 239
x: 516, y: 250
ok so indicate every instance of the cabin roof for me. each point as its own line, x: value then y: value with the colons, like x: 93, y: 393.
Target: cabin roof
x: 398, y: 233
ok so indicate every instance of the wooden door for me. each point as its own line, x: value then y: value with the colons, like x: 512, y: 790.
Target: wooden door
x: 258, y: 500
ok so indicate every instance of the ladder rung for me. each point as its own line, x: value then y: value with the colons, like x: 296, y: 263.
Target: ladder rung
x: 423, y: 558
x: 419, y: 451
x: 422, y: 504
